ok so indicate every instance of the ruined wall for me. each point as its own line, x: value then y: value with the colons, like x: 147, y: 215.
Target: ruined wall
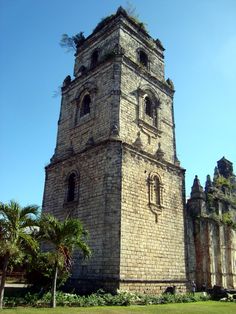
x: 210, y: 224
x: 211, y: 256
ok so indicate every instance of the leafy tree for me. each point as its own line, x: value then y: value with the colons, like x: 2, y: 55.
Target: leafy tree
x: 40, y: 269
x: 62, y: 237
x: 17, y: 226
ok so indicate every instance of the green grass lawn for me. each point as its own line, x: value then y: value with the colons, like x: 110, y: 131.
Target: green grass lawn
x: 209, y: 307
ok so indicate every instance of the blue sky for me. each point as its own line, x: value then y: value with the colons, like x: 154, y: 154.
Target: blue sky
x: 200, y: 41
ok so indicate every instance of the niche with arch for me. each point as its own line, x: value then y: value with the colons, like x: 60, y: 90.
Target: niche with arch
x: 72, y: 187
x: 155, y: 189
x: 149, y: 111
x: 143, y: 58
x: 85, y: 105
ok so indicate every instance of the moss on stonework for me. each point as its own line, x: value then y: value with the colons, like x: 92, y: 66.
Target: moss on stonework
x: 227, y: 219
x: 223, y: 182
x: 103, y: 22
x: 210, y: 201
x: 140, y: 24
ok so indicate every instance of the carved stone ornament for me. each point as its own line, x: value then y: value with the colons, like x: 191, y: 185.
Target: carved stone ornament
x: 118, y: 50
x: 70, y: 151
x: 170, y: 83
x: 90, y: 142
x: 67, y: 81
x: 138, y: 142
x: 114, y: 130
x: 159, y: 153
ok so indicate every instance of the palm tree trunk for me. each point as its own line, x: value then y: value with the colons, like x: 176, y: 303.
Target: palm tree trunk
x: 3, y: 279
x: 54, y: 287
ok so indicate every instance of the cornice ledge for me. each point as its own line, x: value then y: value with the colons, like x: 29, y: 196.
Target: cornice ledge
x: 151, y: 158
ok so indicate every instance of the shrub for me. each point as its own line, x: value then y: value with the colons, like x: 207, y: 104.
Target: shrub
x: 100, y: 298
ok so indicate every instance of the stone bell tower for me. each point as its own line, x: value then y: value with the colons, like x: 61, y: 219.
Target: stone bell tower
x: 115, y: 164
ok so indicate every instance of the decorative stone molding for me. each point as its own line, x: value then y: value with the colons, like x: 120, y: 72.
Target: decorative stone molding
x: 114, y: 133
x: 138, y: 142
x: 118, y: 50
x: 67, y: 81
x: 90, y: 142
x: 87, y: 89
x: 159, y: 153
x: 170, y: 83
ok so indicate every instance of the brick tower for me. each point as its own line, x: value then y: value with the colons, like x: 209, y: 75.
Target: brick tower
x: 115, y: 164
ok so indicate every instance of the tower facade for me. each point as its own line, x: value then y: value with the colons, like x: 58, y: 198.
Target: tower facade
x: 115, y: 166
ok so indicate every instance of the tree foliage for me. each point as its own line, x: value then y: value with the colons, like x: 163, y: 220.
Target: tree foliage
x: 72, y: 43
x: 39, y: 271
x: 17, y: 226
x: 62, y: 238
x: 21, y: 229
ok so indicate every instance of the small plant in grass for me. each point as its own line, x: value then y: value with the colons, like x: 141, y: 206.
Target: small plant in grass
x: 229, y: 298
x: 100, y: 298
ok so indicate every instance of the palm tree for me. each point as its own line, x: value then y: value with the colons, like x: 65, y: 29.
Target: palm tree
x: 16, y: 235
x: 62, y: 237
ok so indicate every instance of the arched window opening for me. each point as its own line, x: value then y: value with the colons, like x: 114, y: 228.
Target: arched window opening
x: 143, y: 58
x: 82, y: 69
x: 148, y: 107
x: 156, y: 190
x: 94, y: 58
x: 155, y: 194
x: 71, y: 188
x: 85, y: 106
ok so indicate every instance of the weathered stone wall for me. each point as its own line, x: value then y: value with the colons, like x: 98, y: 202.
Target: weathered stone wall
x: 133, y: 41
x: 104, y: 42
x: 132, y: 111
x: 136, y: 82
x: 74, y: 131
x: 97, y: 205
x: 210, y: 222
x: 190, y: 249
x: 129, y: 188
x: 211, y: 253
x: 152, y: 248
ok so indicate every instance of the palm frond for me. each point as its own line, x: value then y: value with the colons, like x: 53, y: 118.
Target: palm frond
x: 28, y: 242
x: 64, y: 236
x: 84, y: 248
x: 16, y: 227
x: 31, y: 211
x: 10, y: 212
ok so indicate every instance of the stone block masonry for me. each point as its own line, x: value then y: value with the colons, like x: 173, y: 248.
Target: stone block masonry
x: 115, y: 165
